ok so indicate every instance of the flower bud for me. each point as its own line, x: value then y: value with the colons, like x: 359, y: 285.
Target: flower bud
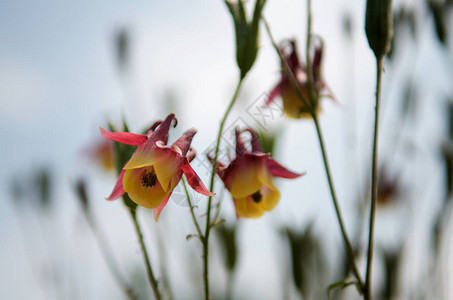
x: 378, y: 26
x: 246, y: 33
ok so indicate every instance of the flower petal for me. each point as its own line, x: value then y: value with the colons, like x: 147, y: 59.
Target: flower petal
x: 240, y: 147
x: 247, y: 208
x: 124, y: 137
x: 161, y: 133
x: 159, y: 209
x: 167, y: 165
x: 118, y: 190
x: 144, y: 156
x: 148, y: 197
x: 256, y: 144
x: 278, y: 170
x: 195, y: 181
x: 271, y: 196
x: 183, y: 143
x: 242, y: 177
x: 276, y: 91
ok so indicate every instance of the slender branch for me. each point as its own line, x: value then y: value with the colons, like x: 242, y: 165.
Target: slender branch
x: 195, y: 222
x: 374, y: 187
x: 149, y: 270
x: 110, y: 261
x: 211, y: 188
x: 295, y: 86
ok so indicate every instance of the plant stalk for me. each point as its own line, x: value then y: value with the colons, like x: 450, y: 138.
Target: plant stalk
x: 205, y: 239
x: 374, y: 187
x: 149, y: 270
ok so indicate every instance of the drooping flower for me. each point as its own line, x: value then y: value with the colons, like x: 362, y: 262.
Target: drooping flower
x: 155, y: 168
x: 293, y: 106
x: 102, y: 153
x: 249, y: 178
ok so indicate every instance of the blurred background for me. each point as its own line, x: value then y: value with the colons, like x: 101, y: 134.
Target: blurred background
x: 68, y: 67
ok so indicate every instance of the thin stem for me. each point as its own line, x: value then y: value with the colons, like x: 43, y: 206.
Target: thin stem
x: 195, y: 222
x: 149, y: 270
x: 374, y: 187
x: 211, y: 188
x: 349, y: 249
x: 111, y: 263
x: 295, y: 86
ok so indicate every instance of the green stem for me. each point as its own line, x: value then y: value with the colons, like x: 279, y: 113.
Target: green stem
x: 149, y: 270
x: 374, y: 187
x: 195, y: 222
x: 211, y: 188
x: 111, y: 264
x: 295, y: 86
x: 347, y: 242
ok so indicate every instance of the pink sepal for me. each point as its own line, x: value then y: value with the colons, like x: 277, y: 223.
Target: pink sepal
x: 278, y: 170
x: 184, y: 141
x: 195, y: 181
x: 124, y: 137
x: 118, y: 190
x: 158, y: 210
x: 276, y: 91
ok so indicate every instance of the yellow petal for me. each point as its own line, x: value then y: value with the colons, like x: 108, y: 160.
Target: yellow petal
x: 293, y: 106
x: 247, y: 208
x: 270, y: 199
x: 144, y: 156
x: 148, y: 197
x: 167, y: 165
x: 245, y: 180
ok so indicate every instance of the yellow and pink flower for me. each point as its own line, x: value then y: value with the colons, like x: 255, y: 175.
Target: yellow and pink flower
x: 293, y: 106
x: 249, y: 178
x: 155, y: 168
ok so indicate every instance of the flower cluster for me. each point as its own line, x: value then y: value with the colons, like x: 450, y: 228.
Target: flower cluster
x: 155, y: 169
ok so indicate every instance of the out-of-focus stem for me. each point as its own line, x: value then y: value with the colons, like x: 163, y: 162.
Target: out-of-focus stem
x: 211, y: 188
x: 374, y: 187
x: 310, y: 102
x: 111, y: 264
x: 149, y: 270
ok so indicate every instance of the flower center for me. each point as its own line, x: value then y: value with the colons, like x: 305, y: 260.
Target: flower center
x: 257, y: 196
x: 149, y: 178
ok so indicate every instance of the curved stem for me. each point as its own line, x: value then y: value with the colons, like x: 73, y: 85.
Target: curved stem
x: 211, y: 188
x: 347, y: 242
x: 295, y: 86
x: 111, y: 263
x: 195, y: 222
x: 374, y: 187
x: 149, y: 270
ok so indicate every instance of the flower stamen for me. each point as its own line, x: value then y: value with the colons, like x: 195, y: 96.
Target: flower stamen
x: 257, y: 196
x: 149, y: 178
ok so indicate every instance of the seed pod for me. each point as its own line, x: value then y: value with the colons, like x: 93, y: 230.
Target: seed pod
x: 378, y: 26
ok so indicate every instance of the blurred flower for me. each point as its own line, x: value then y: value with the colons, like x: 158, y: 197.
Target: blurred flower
x: 154, y: 169
x: 389, y: 187
x: 293, y: 106
x: 102, y: 153
x: 249, y: 178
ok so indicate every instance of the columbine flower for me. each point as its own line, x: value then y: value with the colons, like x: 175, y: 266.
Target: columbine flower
x: 154, y: 169
x: 249, y: 178
x: 102, y: 153
x: 293, y: 106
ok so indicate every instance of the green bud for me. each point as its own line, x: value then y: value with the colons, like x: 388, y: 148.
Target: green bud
x: 246, y: 33
x: 378, y: 26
